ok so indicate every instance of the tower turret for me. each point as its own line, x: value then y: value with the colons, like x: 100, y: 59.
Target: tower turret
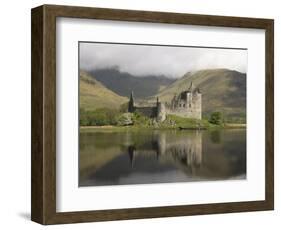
x: 131, y: 106
x: 191, y: 88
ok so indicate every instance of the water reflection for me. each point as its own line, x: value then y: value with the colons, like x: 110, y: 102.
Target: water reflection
x: 183, y: 152
x: 137, y: 157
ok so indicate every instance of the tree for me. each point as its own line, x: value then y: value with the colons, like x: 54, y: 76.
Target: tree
x: 216, y: 118
x: 98, y: 117
x: 125, y: 119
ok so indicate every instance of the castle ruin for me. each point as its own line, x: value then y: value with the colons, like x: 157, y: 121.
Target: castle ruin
x: 185, y: 104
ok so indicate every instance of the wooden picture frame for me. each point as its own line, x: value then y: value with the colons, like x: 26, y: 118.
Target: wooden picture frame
x: 43, y: 207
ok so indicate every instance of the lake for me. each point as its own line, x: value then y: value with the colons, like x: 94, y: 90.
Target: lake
x: 114, y: 157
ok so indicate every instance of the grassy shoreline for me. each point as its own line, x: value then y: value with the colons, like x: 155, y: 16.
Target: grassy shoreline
x: 135, y: 121
x: 117, y: 128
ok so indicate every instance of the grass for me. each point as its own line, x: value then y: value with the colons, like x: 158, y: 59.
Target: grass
x: 177, y: 122
x: 94, y: 95
x: 171, y: 122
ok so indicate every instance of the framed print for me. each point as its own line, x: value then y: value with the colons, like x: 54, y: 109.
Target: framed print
x: 140, y: 114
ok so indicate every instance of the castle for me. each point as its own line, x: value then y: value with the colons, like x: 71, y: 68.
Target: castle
x: 185, y: 104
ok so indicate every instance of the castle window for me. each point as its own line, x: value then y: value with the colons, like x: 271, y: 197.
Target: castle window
x: 189, y: 105
x: 183, y: 105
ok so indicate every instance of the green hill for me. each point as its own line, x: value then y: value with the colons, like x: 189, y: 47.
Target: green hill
x: 222, y: 90
x: 94, y: 95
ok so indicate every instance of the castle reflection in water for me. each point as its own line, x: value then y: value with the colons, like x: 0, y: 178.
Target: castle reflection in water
x: 144, y: 157
x: 183, y: 152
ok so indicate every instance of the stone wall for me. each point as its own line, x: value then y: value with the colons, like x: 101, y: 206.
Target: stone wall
x: 184, y: 113
x: 190, y: 108
x: 147, y: 111
x: 186, y: 104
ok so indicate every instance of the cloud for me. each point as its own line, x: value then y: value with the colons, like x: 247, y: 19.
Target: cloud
x: 171, y: 61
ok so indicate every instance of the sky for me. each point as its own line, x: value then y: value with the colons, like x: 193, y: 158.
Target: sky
x: 141, y: 60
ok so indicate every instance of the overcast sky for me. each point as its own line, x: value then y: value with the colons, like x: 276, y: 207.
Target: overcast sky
x: 143, y: 60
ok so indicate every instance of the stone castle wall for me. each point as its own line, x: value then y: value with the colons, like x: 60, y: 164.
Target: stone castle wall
x: 189, y: 109
x: 186, y: 104
x: 195, y: 114
x: 147, y: 111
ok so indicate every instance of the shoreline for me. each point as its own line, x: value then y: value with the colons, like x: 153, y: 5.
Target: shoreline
x: 112, y: 127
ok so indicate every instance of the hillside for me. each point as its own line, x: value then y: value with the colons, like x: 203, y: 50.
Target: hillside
x: 222, y: 90
x: 123, y: 83
x: 94, y: 94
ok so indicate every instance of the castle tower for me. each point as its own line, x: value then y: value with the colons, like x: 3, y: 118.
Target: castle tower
x: 189, y: 95
x: 187, y: 103
x: 174, y: 101
x: 197, y: 103
x: 161, y: 113
x: 131, y: 106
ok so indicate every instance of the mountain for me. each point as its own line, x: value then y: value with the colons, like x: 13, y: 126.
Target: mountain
x: 94, y: 94
x: 123, y: 83
x: 222, y: 90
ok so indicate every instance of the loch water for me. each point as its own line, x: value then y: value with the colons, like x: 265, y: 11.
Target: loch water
x: 114, y: 157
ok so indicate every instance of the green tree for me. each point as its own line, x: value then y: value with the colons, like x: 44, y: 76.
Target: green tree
x: 216, y: 118
x: 140, y: 120
x: 98, y: 117
x: 125, y: 119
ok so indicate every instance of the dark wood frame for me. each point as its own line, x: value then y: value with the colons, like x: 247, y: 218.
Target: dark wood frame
x: 43, y: 189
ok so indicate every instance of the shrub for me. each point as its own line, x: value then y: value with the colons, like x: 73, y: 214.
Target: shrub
x: 140, y: 120
x: 99, y: 117
x: 125, y: 119
x: 216, y: 118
